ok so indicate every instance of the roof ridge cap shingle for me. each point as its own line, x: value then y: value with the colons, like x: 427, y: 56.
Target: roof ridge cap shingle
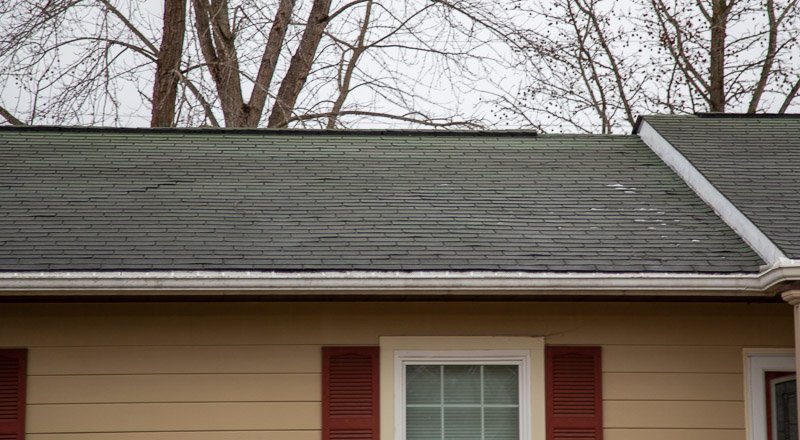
x: 711, y: 115
x: 273, y: 131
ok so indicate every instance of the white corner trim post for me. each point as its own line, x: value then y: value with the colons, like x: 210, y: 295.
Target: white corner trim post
x: 793, y: 298
x: 757, y: 362
x: 726, y: 210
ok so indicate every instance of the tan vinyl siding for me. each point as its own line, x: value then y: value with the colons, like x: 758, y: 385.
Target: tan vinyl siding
x: 163, y: 388
x: 182, y: 416
x: 673, y: 434
x: 668, y: 386
x: 710, y: 414
x: 250, y: 371
x: 185, y: 435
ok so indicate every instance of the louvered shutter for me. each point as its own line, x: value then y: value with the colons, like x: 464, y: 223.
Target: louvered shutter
x: 12, y: 394
x: 573, y: 393
x: 350, y: 393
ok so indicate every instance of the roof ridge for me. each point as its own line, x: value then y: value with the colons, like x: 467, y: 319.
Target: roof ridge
x: 744, y: 115
x: 275, y: 131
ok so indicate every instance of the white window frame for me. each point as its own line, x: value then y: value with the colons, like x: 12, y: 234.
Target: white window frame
x: 526, y: 352
x: 758, y: 362
x: 519, y: 358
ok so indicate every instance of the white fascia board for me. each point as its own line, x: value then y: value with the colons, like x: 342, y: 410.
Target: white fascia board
x: 726, y: 210
x: 476, y: 283
x: 311, y: 283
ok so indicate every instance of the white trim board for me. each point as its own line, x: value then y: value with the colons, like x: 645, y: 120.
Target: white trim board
x: 444, y: 349
x: 757, y: 362
x: 726, y: 210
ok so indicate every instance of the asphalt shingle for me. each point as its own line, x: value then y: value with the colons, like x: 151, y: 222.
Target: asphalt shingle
x: 128, y: 199
x: 753, y: 160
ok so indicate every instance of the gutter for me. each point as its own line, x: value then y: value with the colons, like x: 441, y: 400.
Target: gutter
x: 372, y: 283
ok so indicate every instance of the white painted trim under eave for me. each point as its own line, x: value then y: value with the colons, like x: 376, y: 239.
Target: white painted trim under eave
x: 222, y: 283
x: 726, y: 210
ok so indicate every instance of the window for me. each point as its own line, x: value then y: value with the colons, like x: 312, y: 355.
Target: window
x: 463, y: 388
x: 771, y: 395
x: 462, y: 399
x: 470, y: 388
x: 781, y: 405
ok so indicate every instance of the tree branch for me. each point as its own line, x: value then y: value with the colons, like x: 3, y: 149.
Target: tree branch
x: 428, y: 122
x: 344, y: 85
x: 601, y: 37
x: 790, y: 97
x: 209, y: 112
x: 130, y: 26
x: 772, y: 50
x: 9, y: 117
x: 344, y: 8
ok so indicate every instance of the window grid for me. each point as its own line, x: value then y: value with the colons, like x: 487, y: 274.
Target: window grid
x: 442, y: 405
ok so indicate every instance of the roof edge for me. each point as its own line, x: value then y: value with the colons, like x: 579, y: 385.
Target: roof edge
x: 272, y: 131
x: 719, y: 115
x: 217, y: 283
x: 724, y: 208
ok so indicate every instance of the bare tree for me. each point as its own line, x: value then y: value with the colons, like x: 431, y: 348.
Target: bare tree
x: 241, y: 62
x: 597, y: 64
x: 394, y: 53
x: 578, y: 77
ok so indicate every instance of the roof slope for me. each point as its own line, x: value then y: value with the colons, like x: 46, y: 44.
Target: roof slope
x: 753, y: 160
x: 94, y: 199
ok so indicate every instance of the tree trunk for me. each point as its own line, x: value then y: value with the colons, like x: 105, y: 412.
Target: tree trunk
x: 300, y: 65
x: 217, y: 43
x: 269, y: 60
x: 716, y: 77
x: 165, y: 87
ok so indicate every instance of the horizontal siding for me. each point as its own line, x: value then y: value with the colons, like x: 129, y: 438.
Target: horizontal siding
x: 662, y: 359
x: 175, y: 359
x: 672, y: 386
x: 609, y: 434
x: 174, y: 388
x: 124, y: 417
x: 673, y: 414
x: 186, y: 435
x: 673, y: 434
x: 252, y: 371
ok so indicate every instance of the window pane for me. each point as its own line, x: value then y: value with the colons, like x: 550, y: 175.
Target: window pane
x: 423, y: 384
x: 424, y: 423
x: 501, y: 384
x: 785, y: 393
x: 462, y: 402
x: 462, y: 423
x: 501, y: 423
x: 462, y: 384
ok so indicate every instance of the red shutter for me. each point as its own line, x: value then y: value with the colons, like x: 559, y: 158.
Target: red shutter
x: 350, y: 393
x: 574, y: 393
x: 13, y: 367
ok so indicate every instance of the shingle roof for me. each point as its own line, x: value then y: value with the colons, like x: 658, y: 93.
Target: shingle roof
x: 753, y: 160
x: 116, y: 199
